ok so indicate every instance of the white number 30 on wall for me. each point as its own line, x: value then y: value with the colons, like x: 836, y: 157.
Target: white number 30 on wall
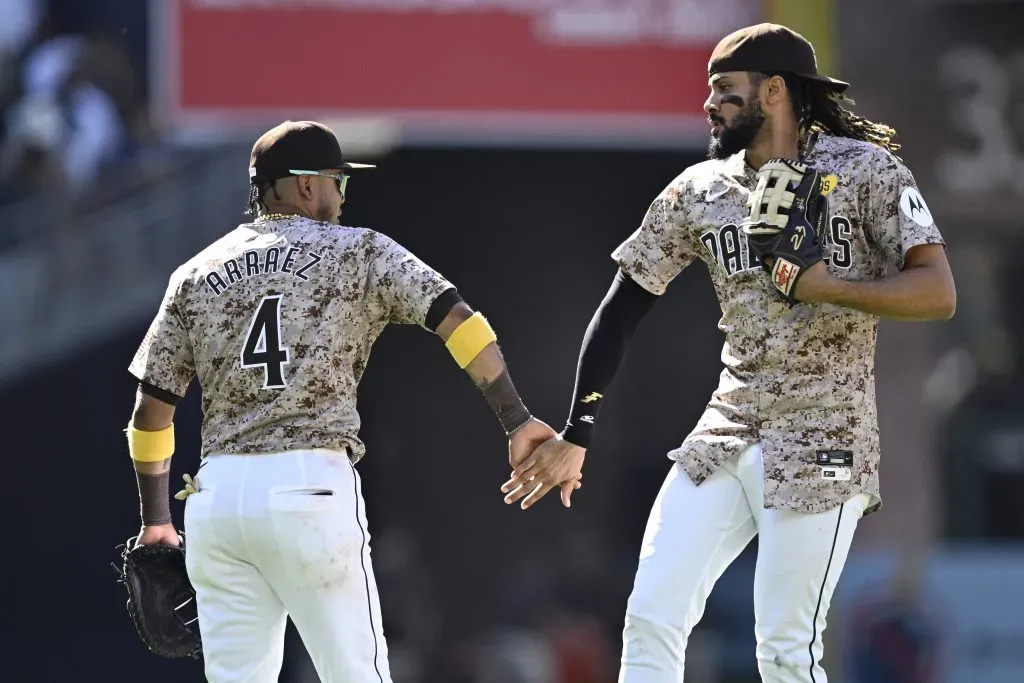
x: 987, y: 110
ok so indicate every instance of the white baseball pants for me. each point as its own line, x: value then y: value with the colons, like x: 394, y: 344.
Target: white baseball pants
x: 693, y: 535
x: 269, y: 536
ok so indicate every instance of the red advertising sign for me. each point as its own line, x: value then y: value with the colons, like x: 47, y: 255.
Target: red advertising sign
x: 449, y: 70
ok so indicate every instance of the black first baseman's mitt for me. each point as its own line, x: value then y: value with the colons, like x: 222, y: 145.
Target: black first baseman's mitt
x: 161, y: 599
x: 788, y: 210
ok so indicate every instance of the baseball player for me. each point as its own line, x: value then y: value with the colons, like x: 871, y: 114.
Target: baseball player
x: 787, y: 448
x: 277, y: 319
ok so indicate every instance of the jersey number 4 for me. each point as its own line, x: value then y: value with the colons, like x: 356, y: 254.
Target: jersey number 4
x: 262, y: 347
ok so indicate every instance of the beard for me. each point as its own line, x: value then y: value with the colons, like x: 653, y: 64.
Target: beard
x: 740, y: 134
x: 325, y: 214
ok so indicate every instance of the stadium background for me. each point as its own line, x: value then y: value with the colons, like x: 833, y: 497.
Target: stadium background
x: 518, y: 143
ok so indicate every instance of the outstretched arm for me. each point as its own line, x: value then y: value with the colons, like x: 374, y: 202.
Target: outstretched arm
x: 474, y: 346
x: 604, y: 345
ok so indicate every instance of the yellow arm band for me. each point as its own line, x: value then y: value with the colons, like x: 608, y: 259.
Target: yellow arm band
x: 150, y: 446
x: 470, y: 338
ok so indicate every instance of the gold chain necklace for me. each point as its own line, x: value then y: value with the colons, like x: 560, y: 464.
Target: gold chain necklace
x: 276, y: 217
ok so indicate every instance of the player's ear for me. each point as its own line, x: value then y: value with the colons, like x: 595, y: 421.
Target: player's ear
x: 304, y: 186
x: 773, y: 90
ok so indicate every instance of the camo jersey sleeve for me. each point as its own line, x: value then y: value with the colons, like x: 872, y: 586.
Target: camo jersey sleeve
x: 899, y: 218
x: 164, y: 359
x: 404, y: 284
x: 662, y: 246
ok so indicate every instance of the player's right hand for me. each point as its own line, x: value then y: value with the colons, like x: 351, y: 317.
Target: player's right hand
x: 555, y: 463
x: 526, y: 439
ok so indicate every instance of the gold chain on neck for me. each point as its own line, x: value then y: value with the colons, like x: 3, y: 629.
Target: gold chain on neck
x: 275, y: 217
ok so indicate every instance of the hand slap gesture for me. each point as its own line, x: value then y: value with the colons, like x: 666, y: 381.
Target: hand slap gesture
x: 555, y: 463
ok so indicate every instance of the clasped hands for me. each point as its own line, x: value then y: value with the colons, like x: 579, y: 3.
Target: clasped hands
x: 541, y: 460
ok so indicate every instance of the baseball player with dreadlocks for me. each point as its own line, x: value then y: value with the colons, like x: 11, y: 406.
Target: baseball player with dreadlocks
x: 798, y: 213
x: 276, y: 319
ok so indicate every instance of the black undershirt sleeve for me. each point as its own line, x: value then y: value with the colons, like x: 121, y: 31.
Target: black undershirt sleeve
x: 159, y: 394
x: 604, y: 346
x: 441, y: 307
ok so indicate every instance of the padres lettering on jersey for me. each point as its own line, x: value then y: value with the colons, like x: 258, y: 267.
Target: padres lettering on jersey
x: 729, y: 247
x: 799, y: 380
x: 277, y: 319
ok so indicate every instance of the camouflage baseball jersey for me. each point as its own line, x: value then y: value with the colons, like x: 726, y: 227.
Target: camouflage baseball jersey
x: 277, y: 319
x: 800, y: 379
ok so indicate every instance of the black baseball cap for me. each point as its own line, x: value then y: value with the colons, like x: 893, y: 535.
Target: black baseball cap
x: 769, y: 48
x: 296, y: 146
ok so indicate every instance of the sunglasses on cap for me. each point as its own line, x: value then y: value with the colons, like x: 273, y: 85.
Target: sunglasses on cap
x: 340, y: 179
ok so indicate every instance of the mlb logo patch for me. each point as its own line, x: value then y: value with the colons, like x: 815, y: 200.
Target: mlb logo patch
x: 840, y: 458
x: 836, y: 465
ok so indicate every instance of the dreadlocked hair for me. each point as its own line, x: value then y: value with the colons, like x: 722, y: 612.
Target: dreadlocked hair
x: 820, y: 109
x: 252, y: 206
x: 256, y: 201
x: 827, y: 114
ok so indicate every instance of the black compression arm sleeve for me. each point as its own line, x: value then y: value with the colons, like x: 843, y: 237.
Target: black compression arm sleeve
x: 604, y: 345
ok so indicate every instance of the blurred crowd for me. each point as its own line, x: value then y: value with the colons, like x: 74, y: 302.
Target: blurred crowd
x: 976, y: 392
x: 72, y: 95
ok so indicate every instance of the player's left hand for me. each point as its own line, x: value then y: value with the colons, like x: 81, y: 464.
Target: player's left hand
x: 555, y: 463
x: 160, y: 533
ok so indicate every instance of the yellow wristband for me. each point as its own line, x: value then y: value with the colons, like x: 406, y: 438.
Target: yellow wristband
x: 470, y: 338
x: 150, y: 446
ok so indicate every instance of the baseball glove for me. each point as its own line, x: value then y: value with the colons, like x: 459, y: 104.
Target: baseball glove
x: 787, y: 213
x: 161, y: 599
